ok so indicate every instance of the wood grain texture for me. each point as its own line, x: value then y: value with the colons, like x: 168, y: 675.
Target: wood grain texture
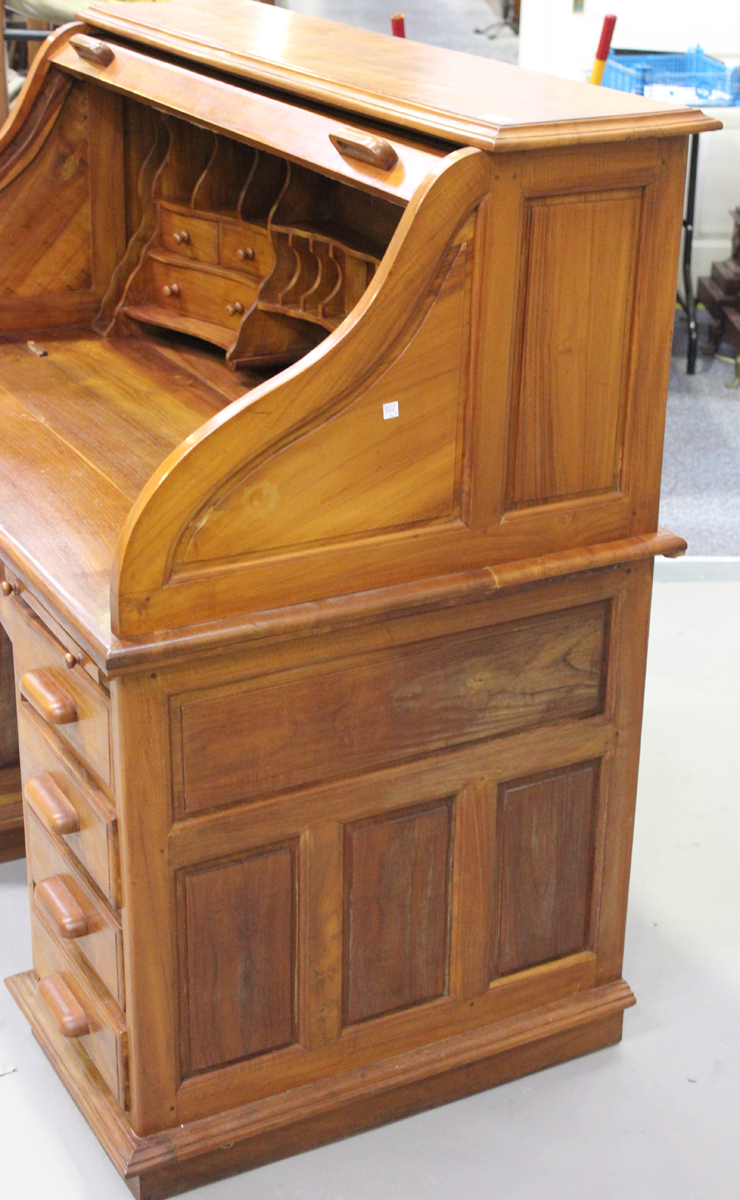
x: 238, y: 921
x: 441, y: 92
x: 356, y: 646
x: 264, y: 739
x: 67, y: 893
x: 545, y: 866
x: 47, y: 247
x: 95, y: 842
x: 396, y: 911
x: 163, y: 1165
x: 579, y: 296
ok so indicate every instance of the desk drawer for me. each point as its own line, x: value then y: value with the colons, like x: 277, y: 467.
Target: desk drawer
x: 191, y: 291
x: 68, y: 803
x: 62, y: 693
x: 191, y: 237
x: 247, y: 248
x: 73, y: 909
x: 65, y: 983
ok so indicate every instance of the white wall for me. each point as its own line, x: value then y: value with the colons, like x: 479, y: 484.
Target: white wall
x: 558, y: 41
x: 554, y: 39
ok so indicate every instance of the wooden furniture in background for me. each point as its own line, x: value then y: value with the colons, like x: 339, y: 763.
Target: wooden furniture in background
x: 332, y: 424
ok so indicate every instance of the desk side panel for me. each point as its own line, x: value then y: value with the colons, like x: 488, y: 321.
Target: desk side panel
x: 498, y: 394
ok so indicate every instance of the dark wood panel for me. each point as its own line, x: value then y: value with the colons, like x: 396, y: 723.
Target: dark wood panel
x: 8, y: 722
x: 239, y: 960
x: 545, y: 843
x: 396, y: 911
x: 424, y: 698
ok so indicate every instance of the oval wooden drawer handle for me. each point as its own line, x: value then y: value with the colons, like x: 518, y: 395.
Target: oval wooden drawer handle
x: 182, y: 238
x: 237, y: 308
x: 92, y: 50
x: 66, y: 1011
x: 50, y: 803
x: 171, y: 289
x: 365, y: 147
x: 48, y: 697
x: 60, y: 907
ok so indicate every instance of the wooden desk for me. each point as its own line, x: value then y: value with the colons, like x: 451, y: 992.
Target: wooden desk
x: 333, y: 373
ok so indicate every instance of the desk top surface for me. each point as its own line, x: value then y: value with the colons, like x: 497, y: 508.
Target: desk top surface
x: 458, y: 97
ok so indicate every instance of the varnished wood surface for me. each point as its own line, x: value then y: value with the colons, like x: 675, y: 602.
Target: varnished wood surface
x: 83, y: 428
x: 329, y: 675
x: 177, y: 1160
x: 443, y: 92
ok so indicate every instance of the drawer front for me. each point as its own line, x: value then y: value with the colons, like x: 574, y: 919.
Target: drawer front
x: 65, y: 697
x: 51, y: 774
x: 105, y: 1041
x: 192, y: 292
x: 77, y: 914
x: 194, y: 238
x: 247, y: 248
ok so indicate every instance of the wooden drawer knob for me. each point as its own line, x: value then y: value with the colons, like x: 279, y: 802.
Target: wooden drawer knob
x: 51, y: 805
x: 236, y: 307
x: 7, y: 588
x: 364, y: 147
x: 92, y: 50
x: 171, y: 289
x: 41, y: 690
x: 182, y: 238
x: 60, y: 907
x: 66, y: 1011
x: 242, y: 254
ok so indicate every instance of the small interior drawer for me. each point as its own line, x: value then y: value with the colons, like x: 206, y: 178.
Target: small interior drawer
x: 246, y: 247
x: 105, y: 1041
x: 188, y: 236
x: 71, y: 906
x: 61, y: 692
x: 191, y: 291
x: 62, y: 794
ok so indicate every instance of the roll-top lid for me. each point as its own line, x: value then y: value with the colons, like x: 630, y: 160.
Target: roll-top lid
x: 460, y: 98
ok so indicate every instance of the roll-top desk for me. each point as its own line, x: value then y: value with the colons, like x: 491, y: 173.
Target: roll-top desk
x: 333, y: 377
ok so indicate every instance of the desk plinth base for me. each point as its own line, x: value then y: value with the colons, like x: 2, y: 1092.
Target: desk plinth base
x: 176, y: 1160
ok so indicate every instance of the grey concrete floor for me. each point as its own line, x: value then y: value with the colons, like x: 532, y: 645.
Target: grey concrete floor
x: 700, y: 492
x: 654, y: 1118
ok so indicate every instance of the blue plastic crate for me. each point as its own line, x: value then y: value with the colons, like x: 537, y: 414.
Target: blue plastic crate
x: 690, y: 78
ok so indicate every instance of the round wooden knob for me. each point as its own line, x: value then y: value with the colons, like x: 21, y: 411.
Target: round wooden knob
x: 236, y: 307
x: 171, y: 289
x: 7, y: 588
x: 182, y: 238
x: 242, y: 254
x: 70, y: 660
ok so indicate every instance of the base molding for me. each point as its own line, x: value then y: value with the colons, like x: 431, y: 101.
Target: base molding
x: 187, y: 1156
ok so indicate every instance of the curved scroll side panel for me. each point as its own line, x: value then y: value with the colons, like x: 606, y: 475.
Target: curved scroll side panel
x: 173, y: 565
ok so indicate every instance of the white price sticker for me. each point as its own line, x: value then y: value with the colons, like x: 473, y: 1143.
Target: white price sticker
x: 390, y: 410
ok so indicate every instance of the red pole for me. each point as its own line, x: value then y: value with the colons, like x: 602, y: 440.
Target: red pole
x: 603, y: 51
x: 398, y: 25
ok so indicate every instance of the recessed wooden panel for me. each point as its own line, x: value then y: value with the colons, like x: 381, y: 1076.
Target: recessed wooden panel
x: 239, y: 960
x: 545, y: 835
x: 396, y: 911
x: 45, y: 225
x: 577, y: 313
x: 444, y: 693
